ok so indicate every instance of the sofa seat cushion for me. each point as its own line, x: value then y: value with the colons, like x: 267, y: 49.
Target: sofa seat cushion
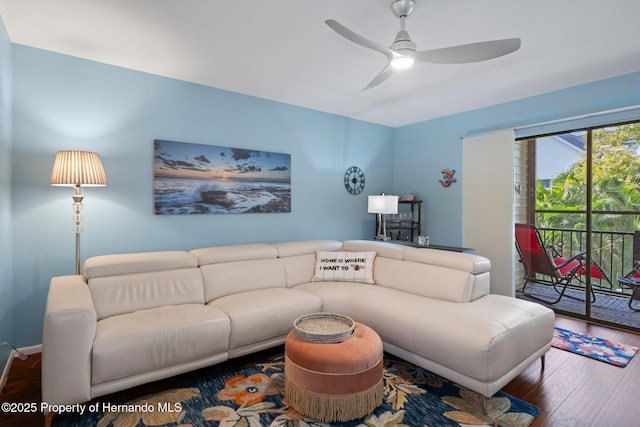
x: 264, y: 313
x: 335, y: 296
x: 147, y: 340
x: 495, y: 332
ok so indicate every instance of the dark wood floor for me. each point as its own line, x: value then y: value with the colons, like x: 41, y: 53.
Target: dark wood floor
x: 571, y: 391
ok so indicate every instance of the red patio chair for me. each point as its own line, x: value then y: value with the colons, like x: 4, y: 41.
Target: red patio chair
x: 540, y: 259
x: 632, y: 280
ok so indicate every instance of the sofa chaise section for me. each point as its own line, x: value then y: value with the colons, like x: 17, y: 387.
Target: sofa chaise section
x: 433, y: 308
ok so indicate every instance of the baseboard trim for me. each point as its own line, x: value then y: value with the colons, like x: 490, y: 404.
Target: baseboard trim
x: 5, y: 371
x: 34, y: 349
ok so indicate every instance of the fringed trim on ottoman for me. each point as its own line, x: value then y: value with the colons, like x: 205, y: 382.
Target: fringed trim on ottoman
x: 330, y: 408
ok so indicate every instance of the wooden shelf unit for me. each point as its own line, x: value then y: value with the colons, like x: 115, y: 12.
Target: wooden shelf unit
x: 408, y: 227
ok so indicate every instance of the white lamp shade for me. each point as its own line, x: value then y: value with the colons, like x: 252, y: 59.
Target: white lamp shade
x: 383, y: 204
x: 75, y: 168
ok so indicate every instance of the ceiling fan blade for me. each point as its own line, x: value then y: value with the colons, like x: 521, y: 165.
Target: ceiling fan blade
x: 381, y: 77
x: 358, y: 39
x: 472, y: 52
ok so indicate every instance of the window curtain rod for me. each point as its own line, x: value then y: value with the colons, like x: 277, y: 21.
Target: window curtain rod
x: 616, y: 115
x: 599, y: 118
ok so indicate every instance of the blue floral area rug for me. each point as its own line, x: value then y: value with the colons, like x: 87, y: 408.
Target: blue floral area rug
x: 596, y: 348
x: 252, y: 396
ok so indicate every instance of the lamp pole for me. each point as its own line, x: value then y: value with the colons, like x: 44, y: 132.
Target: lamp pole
x: 77, y: 219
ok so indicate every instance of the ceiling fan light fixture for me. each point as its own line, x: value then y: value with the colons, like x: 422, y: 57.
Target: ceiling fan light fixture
x: 404, y: 50
x: 402, y: 62
x: 402, y: 53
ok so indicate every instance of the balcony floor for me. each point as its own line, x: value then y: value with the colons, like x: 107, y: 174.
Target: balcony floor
x: 607, y: 308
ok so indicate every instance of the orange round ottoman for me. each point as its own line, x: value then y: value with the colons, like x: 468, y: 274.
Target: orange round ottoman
x: 335, y: 381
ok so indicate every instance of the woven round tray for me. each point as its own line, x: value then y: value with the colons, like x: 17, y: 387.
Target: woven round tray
x: 324, y: 327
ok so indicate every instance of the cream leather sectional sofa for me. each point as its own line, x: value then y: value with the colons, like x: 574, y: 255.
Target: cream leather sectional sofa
x: 135, y: 318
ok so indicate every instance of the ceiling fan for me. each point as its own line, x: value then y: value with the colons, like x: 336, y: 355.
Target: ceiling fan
x: 402, y: 52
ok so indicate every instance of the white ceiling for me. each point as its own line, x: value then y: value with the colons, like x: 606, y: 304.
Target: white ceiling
x: 282, y: 50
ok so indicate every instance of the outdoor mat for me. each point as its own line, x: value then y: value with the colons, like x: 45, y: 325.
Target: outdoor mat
x: 596, y: 348
x: 252, y: 396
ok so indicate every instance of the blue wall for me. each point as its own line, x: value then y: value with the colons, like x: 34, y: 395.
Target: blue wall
x: 424, y: 149
x: 61, y: 102
x: 6, y: 239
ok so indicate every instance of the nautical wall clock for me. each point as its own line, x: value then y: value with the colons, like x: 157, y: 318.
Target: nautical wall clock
x: 354, y: 180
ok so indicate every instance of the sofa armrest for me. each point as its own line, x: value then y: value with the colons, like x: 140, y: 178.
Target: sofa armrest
x: 67, y: 339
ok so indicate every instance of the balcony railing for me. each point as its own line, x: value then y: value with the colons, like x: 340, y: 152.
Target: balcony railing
x: 613, y: 251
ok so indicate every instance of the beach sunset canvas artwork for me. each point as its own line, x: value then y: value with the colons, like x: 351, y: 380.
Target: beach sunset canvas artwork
x: 209, y: 179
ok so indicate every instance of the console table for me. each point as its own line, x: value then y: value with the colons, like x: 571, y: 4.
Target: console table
x: 439, y: 247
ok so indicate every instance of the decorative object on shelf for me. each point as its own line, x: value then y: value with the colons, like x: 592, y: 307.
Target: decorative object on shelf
x: 354, y: 180
x: 410, y: 197
x: 209, y: 179
x: 447, y: 177
x: 324, y: 327
x: 78, y: 169
x: 383, y: 205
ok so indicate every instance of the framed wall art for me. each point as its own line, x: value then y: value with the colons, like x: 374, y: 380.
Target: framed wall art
x: 209, y: 179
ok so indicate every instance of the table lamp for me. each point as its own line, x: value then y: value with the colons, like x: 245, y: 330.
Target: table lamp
x: 383, y: 205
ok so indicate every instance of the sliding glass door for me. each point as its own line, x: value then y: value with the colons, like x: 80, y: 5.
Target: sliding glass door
x: 560, y: 210
x: 615, y: 218
x: 587, y: 201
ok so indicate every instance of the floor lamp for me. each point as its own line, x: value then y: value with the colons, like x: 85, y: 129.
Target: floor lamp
x: 78, y: 169
x: 383, y: 205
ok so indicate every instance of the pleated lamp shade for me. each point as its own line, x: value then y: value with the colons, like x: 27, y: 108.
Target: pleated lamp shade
x: 75, y: 168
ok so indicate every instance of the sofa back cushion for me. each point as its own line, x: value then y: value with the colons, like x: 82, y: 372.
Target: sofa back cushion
x: 222, y: 254
x: 424, y: 279
x: 476, y: 269
x: 229, y: 270
x: 241, y: 276
x: 382, y: 249
x: 125, y: 283
x: 444, y: 275
x: 299, y: 258
x: 113, y: 265
x: 470, y: 263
